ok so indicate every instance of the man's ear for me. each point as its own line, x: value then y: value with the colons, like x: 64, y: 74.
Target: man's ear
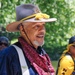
x: 21, y: 30
x: 22, y: 33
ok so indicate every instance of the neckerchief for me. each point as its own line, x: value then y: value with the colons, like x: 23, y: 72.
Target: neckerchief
x: 41, y: 63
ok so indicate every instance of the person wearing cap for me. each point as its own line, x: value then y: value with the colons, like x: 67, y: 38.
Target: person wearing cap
x: 66, y: 64
x: 27, y: 57
x: 4, y: 42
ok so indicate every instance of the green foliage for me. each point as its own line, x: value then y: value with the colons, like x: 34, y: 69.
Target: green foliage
x: 58, y: 32
x: 55, y: 63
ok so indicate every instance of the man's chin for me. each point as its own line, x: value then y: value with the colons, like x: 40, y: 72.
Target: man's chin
x: 38, y: 44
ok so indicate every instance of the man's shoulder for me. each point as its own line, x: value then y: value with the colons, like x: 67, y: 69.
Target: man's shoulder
x: 67, y: 59
x: 9, y: 51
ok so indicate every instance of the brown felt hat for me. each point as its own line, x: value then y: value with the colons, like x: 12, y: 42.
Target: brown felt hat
x: 26, y: 13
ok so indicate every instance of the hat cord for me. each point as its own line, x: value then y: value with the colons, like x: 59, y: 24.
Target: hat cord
x: 27, y: 35
x: 37, y: 16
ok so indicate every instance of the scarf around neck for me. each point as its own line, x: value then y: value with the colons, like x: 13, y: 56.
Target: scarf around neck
x: 41, y: 63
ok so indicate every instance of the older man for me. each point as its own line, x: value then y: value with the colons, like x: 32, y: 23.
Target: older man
x: 27, y: 57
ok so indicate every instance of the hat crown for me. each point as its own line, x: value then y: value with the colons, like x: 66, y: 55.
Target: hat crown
x: 4, y: 40
x: 28, y: 13
x: 72, y: 40
x: 26, y: 10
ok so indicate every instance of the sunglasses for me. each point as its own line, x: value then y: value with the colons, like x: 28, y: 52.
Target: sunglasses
x: 4, y: 44
x: 73, y: 45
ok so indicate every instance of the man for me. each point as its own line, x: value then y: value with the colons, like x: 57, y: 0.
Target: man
x: 26, y: 57
x: 4, y: 42
x: 66, y: 64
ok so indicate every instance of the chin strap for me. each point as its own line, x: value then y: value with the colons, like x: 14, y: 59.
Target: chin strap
x: 27, y: 36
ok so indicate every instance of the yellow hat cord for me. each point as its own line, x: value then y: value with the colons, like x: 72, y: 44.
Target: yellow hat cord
x: 28, y: 17
x: 37, y: 16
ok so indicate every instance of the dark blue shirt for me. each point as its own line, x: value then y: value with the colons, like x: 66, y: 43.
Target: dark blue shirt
x: 10, y: 64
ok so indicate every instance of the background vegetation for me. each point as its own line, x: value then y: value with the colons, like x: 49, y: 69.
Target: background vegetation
x: 58, y: 32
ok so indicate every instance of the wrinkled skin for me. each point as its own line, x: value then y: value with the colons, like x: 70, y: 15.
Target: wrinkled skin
x: 35, y: 32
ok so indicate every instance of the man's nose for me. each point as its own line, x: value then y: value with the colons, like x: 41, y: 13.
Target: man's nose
x: 42, y: 29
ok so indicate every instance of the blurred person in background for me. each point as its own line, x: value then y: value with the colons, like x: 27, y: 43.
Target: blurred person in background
x: 4, y: 42
x: 66, y: 63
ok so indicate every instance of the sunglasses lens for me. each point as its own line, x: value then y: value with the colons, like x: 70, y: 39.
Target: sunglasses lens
x: 73, y: 45
x: 4, y: 44
x: 0, y: 43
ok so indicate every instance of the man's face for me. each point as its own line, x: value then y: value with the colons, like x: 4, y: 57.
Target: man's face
x: 2, y: 46
x: 35, y: 32
x: 72, y: 50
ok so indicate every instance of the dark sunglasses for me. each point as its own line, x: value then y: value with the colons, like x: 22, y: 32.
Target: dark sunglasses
x: 3, y: 44
x: 73, y: 45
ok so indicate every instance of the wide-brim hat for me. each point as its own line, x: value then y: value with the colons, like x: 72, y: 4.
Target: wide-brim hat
x: 28, y: 13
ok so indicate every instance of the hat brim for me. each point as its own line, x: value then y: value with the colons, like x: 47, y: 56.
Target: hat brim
x: 41, y: 20
x: 12, y: 27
